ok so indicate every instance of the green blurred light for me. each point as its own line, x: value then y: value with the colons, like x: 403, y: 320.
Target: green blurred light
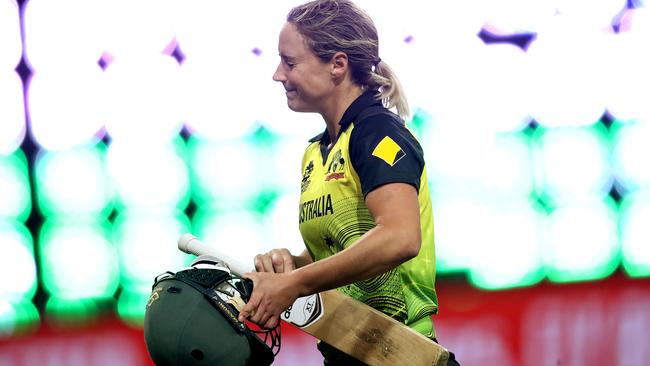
x: 572, y: 163
x: 67, y: 313
x: 510, y: 173
x: 582, y: 241
x: 241, y: 233
x: 513, y: 256
x: 631, y: 154
x: 453, y: 239
x: 635, y: 233
x: 73, y: 182
x: 17, y: 262
x: 155, y: 178
x: 419, y: 123
x: 147, y: 246
x: 17, y: 319
x: 78, y: 259
x: 15, y: 198
x: 226, y: 174
x: 132, y: 305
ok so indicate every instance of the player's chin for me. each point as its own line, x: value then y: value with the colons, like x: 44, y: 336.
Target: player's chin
x: 296, y: 107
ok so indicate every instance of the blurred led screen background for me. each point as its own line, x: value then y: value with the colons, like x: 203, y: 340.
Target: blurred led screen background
x: 126, y: 123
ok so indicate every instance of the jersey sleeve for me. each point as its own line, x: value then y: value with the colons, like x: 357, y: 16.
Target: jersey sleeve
x: 382, y: 150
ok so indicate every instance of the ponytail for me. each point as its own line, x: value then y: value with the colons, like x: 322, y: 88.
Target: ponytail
x: 391, y: 90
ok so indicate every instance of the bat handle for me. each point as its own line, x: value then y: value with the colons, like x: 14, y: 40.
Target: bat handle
x: 190, y: 244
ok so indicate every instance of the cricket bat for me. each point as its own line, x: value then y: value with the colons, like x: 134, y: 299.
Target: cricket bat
x: 345, y: 323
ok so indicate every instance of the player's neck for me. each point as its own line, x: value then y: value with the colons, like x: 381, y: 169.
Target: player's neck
x: 338, y: 104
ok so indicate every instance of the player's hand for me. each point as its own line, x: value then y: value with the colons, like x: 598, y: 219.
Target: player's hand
x: 272, y: 294
x: 276, y: 260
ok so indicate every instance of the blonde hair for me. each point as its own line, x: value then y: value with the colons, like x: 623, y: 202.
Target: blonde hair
x: 332, y: 26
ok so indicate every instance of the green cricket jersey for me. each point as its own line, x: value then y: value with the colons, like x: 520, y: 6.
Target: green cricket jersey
x: 373, y: 148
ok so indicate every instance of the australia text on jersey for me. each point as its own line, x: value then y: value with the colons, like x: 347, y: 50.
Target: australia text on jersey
x: 318, y: 207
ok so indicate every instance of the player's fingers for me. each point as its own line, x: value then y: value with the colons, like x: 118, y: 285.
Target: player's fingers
x: 257, y: 315
x: 245, y: 312
x: 267, y: 263
x: 248, y: 309
x: 278, y: 261
x: 259, y: 266
x: 289, y: 264
x: 271, y: 322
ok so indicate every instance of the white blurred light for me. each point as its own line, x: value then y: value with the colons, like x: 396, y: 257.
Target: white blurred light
x: 510, y: 173
x: 149, y: 176
x: 12, y: 113
x: 282, y: 224
x: 461, y: 225
x: 595, y: 14
x: 216, y: 47
x: 635, y: 233
x: 78, y: 260
x: 65, y: 106
x: 17, y: 263
x: 216, y: 105
x: 15, y: 196
x: 64, y: 32
x: 73, y: 181
x: 241, y: 234
x: 146, y: 244
x: 207, y: 29
x: 457, y: 162
x: 454, y: 81
x: 582, y: 242
x: 516, y: 16
x: 628, y: 85
x: 143, y: 99
x: 9, y: 35
x: 631, y: 155
x: 137, y: 28
x: 448, y: 18
x: 287, y: 163
x: 441, y: 63
x: 503, y: 101
x: 226, y: 173
x: 565, y: 64
x: 510, y: 251
x: 572, y: 164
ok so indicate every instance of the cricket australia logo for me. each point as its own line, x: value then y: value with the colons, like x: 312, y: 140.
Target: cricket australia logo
x: 335, y: 169
x: 304, y: 311
x: 305, y: 177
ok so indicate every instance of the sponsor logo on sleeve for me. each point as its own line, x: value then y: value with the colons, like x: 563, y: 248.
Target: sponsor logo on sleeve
x: 388, y: 151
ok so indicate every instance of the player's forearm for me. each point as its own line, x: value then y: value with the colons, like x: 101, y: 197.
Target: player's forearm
x: 379, y: 250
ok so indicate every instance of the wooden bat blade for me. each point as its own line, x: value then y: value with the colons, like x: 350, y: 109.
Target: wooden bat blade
x: 365, y: 333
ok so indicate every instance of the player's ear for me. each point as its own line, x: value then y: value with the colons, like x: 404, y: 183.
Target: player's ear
x: 339, y: 65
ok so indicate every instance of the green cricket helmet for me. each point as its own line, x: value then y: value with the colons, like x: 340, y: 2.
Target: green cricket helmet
x: 191, y: 319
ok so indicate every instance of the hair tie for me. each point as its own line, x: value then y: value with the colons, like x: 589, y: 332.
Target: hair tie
x: 377, y: 61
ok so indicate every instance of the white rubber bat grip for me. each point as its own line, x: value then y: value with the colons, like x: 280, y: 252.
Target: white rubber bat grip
x: 190, y: 244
